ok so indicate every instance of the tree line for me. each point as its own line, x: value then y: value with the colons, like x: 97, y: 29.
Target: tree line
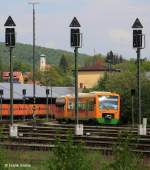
x: 122, y: 83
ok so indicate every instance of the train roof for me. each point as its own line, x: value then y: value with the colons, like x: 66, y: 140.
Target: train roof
x: 79, y: 95
x: 91, y: 94
x: 86, y: 94
x: 40, y: 90
x: 104, y: 92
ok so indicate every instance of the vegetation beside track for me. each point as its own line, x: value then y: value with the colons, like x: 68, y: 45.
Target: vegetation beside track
x: 72, y: 156
x: 38, y: 160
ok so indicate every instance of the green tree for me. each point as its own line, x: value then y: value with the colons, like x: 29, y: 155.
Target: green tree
x: 20, y: 66
x: 109, y: 57
x: 51, y: 77
x: 96, y: 60
x: 101, y: 84
x: 122, y: 83
x: 63, y: 64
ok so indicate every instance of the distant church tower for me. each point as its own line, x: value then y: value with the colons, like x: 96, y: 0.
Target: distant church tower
x: 42, y: 62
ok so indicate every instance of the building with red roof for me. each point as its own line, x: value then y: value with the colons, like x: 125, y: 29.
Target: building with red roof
x: 17, y: 77
x: 89, y: 76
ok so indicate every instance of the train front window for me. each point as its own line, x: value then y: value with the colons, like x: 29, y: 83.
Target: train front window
x: 60, y: 103
x: 70, y: 105
x: 108, y: 102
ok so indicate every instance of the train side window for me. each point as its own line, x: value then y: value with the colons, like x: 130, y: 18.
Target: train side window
x: 90, y: 106
x: 83, y: 106
x: 60, y: 107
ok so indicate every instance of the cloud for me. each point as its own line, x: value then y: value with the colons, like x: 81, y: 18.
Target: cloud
x: 119, y: 35
x: 106, y: 24
x: 50, y: 44
x: 51, y: 1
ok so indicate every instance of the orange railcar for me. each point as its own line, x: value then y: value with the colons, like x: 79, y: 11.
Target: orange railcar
x: 40, y: 108
x: 103, y: 107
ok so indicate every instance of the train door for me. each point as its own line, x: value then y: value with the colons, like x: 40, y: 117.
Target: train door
x: 60, y: 108
x: 71, y: 109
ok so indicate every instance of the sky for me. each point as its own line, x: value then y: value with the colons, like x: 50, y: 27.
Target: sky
x: 105, y: 24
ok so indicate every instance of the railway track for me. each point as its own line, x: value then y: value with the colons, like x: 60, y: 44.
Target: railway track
x: 21, y: 121
x: 103, y: 138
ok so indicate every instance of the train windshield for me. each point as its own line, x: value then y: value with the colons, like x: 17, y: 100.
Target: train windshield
x: 108, y: 102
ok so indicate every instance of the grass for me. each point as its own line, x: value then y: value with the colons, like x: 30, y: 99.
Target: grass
x: 38, y: 160
x: 70, y: 156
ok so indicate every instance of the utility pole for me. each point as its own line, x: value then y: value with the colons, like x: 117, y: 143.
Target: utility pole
x: 10, y: 43
x: 51, y: 103
x: 76, y: 41
x: 47, y: 102
x: 33, y: 76
x: 138, y: 45
x: 24, y: 102
x: 139, y: 84
x: 76, y: 85
x: 132, y: 105
x: 1, y: 104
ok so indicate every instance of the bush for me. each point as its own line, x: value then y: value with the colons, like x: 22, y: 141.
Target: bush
x: 69, y: 156
x: 123, y: 157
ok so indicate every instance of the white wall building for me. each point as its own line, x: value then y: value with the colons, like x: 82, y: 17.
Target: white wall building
x: 42, y: 62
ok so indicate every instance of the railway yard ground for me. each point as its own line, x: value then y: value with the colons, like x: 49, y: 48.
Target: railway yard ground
x: 35, y: 143
x: 37, y: 160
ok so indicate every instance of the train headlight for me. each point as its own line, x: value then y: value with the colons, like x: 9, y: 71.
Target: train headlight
x: 108, y: 117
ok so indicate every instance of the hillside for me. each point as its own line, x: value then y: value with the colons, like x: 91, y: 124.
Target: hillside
x: 23, y: 53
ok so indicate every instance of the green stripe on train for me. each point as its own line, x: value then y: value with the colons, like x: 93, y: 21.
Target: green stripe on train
x: 105, y: 121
